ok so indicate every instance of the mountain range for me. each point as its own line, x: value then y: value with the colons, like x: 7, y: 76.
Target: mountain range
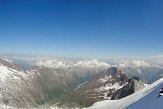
x: 34, y: 82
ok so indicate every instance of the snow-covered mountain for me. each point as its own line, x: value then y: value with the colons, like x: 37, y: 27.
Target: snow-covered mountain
x: 54, y: 63
x: 146, y: 71
x: 111, y: 84
x: 134, y: 63
x: 146, y: 98
x: 13, y: 87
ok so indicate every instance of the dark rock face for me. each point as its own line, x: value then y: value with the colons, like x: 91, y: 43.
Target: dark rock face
x: 126, y: 90
x: 133, y: 85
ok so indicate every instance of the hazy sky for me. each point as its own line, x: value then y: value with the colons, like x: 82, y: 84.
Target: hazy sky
x: 82, y: 28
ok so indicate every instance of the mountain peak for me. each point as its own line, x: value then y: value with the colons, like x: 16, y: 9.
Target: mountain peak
x: 112, y: 71
x: 92, y: 63
x: 140, y: 63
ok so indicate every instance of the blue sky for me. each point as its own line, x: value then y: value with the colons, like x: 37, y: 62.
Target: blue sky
x: 82, y: 28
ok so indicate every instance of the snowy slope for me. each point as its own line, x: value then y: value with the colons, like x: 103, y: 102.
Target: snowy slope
x: 143, y: 99
x: 14, y: 91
